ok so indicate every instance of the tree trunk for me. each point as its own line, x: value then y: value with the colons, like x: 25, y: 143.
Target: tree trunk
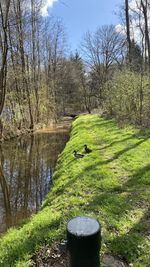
x: 128, y: 29
x: 4, y: 49
x: 144, y: 6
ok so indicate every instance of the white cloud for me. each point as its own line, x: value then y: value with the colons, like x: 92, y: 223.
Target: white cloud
x: 46, y: 5
x: 133, y: 4
x: 120, y: 28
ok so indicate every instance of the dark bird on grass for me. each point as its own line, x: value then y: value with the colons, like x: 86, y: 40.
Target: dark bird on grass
x: 87, y: 150
x: 78, y: 155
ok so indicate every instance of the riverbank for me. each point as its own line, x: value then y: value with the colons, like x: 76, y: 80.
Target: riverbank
x: 111, y: 183
x: 63, y: 125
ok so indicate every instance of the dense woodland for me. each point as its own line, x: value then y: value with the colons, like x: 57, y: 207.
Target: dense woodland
x: 40, y: 80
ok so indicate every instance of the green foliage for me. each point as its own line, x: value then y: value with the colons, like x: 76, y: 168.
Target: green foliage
x: 127, y: 97
x: 111, y: 184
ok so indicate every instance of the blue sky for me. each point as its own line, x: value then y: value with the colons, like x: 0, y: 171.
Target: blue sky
x: 79, y: 16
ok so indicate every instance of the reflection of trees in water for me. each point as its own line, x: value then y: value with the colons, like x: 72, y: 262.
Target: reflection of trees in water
x: 28, y: 164
x: 5, y: 191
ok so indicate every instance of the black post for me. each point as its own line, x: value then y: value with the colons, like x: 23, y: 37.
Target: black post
x: 83, y: 242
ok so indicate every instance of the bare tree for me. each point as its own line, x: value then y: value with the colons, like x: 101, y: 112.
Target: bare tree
x: 19, y: 13
x: 144, y: 6
x: 4, y: 11
x: 102, y: 50
x: 128, y: 28
x: 54, y: 53
x: 35, y: 26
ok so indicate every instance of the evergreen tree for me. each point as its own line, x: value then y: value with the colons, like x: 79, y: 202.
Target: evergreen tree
x: 136, y: 58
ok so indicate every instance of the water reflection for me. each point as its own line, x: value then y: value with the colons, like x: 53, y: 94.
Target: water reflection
x: 26, y: 167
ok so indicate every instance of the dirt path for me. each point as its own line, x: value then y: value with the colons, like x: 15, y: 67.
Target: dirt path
x: 57, y: 256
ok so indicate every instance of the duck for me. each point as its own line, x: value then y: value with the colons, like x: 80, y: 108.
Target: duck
x: 87, y: 150
x: 78, y: 155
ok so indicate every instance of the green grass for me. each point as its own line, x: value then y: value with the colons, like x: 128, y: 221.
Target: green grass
x: 112, y: 184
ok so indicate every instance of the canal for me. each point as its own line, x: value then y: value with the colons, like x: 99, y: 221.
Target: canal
x: 26, y: 172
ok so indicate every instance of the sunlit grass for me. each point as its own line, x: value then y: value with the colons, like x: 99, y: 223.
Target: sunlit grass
x: 111, y: 184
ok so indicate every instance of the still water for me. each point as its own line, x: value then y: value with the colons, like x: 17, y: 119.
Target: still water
x: 26, y: 171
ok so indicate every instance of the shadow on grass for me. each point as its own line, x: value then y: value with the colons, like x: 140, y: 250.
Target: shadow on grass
x: 117, y: 142
x: 116, y: 156
x: 123, y: 205
x: 26, y: 244
x: 121, y: 152
x: 137, y: 178
x: 119, y: 202
x: 64, y: 186
x: 134, y: 243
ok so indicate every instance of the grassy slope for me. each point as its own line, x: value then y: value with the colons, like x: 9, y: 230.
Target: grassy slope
x: 111, y: 184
